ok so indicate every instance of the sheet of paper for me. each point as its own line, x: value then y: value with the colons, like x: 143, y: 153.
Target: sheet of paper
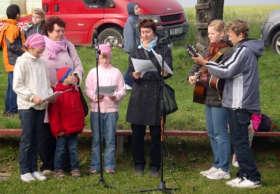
x: 143, y: 66
x: 53, y: 96
x: 106, y: 90
x: 165, y: 66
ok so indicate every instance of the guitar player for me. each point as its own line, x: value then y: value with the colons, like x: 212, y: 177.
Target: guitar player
x: 216, y: 115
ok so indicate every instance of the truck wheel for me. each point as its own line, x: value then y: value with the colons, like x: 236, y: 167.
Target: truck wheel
x: 276, y: 42
x: 112, y: 36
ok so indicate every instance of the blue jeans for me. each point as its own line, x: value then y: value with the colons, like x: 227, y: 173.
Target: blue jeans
x: 108, y: 123
x: 11, y: 97
x: 62, y: 143
x: 217, y: 120
x: 31, y: 124
x: 239, y: 121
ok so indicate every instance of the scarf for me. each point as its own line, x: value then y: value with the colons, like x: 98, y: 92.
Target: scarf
x: 55, y: 47
x: 151, y: 44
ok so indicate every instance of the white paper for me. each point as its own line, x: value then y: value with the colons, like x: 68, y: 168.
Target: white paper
x: 165, y: 66
x: 53, y: 96
x: 106, y: 90
x: 143, y: 66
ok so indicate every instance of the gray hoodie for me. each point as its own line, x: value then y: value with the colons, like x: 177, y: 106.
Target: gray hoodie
x: 131, y: 31
x: 240, y: 71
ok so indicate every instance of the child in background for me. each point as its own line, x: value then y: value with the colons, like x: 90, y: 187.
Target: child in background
x: 37, y: 24
x: 31, y: 84
x: 108, y: 76
x: 66, y: 117
x: 11, y: 40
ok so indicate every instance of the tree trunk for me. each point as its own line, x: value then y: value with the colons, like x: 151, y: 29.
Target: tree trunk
x: 206, y: 11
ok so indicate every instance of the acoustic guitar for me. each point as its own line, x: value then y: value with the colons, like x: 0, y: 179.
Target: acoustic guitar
x: 204, y: 79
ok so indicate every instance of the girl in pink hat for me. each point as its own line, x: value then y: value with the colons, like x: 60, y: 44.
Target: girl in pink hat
x: 111, y: 92
x: 32, y: 86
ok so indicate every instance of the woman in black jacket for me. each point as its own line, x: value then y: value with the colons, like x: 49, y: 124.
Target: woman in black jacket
x: 144, y: 104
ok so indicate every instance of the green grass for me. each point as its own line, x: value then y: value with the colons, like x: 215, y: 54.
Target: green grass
x: 185, y: 159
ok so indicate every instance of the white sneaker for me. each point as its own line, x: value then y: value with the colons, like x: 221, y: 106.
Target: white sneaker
x: 245, y: 183
x: 218, y: 174
x: 235, y: 163
x: 209, y: 171
x: 47, y: 172
x: 27, y: 177
x: 39, y: 176
x: 234, y: 181
x: 128, y: 87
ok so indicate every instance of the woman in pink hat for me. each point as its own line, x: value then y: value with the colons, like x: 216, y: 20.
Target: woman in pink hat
x: 31, y: 84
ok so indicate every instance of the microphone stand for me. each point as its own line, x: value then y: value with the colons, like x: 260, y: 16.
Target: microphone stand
x: 101, y: 178
x: 162, y: 185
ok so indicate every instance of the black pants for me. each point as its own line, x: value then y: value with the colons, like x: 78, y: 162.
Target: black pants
x: 239, y: 121
x: 138, y: 134
x: 46, y: 148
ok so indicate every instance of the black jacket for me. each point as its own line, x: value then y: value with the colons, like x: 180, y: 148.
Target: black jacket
x: 144, y: 103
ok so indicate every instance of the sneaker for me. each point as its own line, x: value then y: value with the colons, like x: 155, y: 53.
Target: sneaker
x: 75, y: 173
x: 209, y: 171
x: 234, y: 181
x: 39, y: 176
x: 154, y: 173
x: 218, y: 175
x: 246, y: 183
x: 128, y: 87
x: 47, y: 172
x: 139, y: 171
x: 235, y: 164
x: 27, y: 177
x: 93, y: 171
x: 110, y: 171
x: 59, y: 174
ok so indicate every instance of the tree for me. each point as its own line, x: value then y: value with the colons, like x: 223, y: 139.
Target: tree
x: 206, y: 11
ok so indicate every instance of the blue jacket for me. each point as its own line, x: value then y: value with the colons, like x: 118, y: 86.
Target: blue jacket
x: 240, y: 71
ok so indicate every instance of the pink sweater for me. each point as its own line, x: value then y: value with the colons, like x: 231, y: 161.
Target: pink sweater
x: 108, y: 76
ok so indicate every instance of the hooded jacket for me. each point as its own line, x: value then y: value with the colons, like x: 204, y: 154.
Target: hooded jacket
x: 131, y: 31
x: 11, y: 40
x: 241, y: 90
x: 66, y: 114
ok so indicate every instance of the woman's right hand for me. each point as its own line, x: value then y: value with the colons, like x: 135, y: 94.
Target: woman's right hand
x: 136, y: 74
x: 192, y: 79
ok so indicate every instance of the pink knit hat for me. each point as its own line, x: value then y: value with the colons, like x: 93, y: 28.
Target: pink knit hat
x: 105, y: 49
x: 35, y: 41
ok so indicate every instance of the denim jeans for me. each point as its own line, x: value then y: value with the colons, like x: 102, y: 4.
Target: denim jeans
x: 11, y: 97
x: 31, y: 124
x: 108, y: 123
x: 46, y: 147
x: 239, y: 121
x: 68, y: 142
x: 138, y: 134
x: 217, y: 125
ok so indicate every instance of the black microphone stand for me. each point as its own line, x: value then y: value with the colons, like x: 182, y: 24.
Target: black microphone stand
x: 162, y: 184
x: 101, y: 178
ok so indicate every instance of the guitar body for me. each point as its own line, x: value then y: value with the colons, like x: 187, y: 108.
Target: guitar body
x: 199, y: 93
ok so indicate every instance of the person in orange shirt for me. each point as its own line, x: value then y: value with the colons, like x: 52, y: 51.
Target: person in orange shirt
x: 11, y: 40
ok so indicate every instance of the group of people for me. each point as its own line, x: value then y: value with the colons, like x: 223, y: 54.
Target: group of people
x: 46, y: 72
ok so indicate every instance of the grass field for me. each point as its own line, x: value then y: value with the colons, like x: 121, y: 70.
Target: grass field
x: 187, y: 157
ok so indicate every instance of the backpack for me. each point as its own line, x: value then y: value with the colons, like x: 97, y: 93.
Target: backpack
x: 261, y: 122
